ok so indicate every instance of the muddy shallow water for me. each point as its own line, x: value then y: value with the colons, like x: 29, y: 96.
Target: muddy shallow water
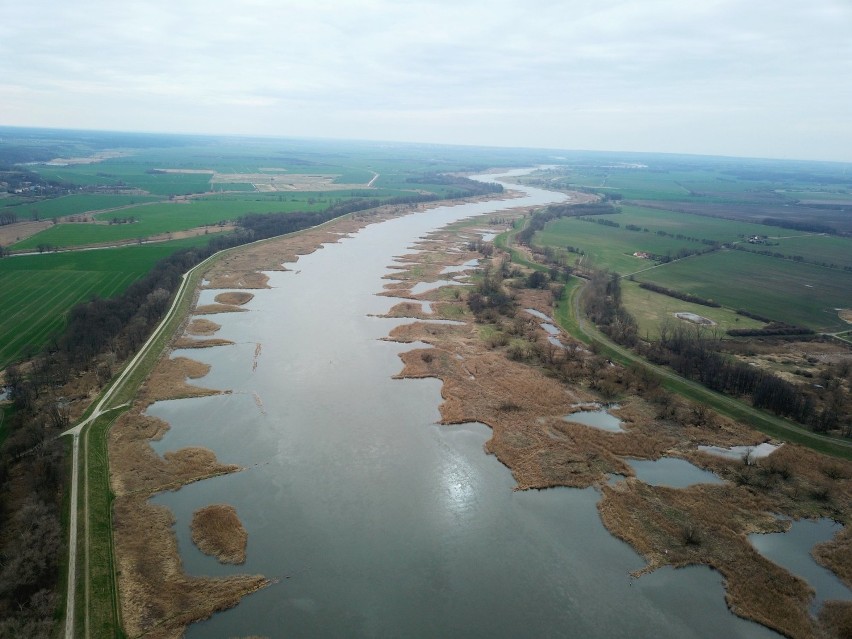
x: 377, y: 521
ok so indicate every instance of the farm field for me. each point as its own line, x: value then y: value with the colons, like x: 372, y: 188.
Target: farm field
x: 651, y: 309
x: 613, y: 248
x: 725, y: 200
x: 76, y: 204
x: 608, y: 247
x: 39, y: 290
x: 700, y: 226
x: 812, y: 247
x: 154, y: 219
x: 782, y: 290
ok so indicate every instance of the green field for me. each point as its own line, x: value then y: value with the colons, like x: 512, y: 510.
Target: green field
x: 608, y: 247
x: 700, y: 226
x: 816, y: 248
x: 39, y: 290
x: 77, y: 204
x: 779, y: 289
x: 651, y: 309
x: 798, y: 292
x: 129, y: 173
x: 613, y: 248
x: 153, y: 219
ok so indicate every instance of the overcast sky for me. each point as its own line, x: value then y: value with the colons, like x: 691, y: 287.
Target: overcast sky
x: 764, y: 78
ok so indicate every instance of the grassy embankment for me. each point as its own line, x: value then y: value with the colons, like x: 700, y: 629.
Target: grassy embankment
x: 97, y: 594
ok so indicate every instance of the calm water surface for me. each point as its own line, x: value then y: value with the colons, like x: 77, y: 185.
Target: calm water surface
x: 792, y: 549
x: 379, y: 522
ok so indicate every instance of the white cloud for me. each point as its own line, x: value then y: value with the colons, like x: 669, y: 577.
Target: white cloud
x: 580, y: 73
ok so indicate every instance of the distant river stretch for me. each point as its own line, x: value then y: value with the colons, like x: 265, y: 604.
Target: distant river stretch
x: 380, y: 522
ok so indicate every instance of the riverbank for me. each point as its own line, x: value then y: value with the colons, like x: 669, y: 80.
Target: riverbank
x: 157, y: 598
x: 506, y: 374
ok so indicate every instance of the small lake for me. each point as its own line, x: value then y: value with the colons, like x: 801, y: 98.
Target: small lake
x: 378, y: 521
x: 467, y: 266
x: 422, y: 287
x: 600, y: 418
x: 672, y: 472
x: 792, y: 550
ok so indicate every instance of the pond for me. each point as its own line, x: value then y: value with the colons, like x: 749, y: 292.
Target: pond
x: 672, y: 472
x: 792, y: 550
x: 600, y: 418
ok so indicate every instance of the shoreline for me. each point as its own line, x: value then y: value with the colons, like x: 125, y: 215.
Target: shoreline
x: 524, y: 405
x: 156, y: 597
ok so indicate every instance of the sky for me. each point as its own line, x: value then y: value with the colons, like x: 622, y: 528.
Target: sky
x: 755, y: 78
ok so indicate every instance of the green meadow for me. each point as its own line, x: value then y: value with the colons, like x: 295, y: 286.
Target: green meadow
x: 154, y: 219
x: 652, y: 309
x: 811, y: 247
x: 778, y: 289
x: 77, y: 204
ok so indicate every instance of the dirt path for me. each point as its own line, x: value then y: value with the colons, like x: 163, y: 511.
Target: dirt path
x: 12, y: 233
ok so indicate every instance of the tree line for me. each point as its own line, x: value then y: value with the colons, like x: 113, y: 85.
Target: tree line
x: 463, y: 187
x: 540, y: 219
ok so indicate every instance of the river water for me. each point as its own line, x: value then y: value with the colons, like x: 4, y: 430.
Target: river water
x: 378, y: 521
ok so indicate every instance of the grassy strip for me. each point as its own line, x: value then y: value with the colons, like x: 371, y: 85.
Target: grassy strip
x: 100, y: 587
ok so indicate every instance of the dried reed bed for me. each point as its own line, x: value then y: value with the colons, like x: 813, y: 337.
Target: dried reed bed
x: 157, y: 599
x: 239, y: 279
x: 168, y: 380
x: 234, y: 298
x: 187, y: 342
x: 708, y: 524
x: 212, y: 309
x: 413, y: 310
x: 836, y: 619
x: 524, y: 405
x: 835, y: 555
x: 218, y: 531
x: 201, y: 326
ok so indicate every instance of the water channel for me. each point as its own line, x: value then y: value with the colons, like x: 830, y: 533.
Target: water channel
x: 378, y: 521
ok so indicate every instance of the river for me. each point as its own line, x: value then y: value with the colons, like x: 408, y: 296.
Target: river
x: 378, y: 521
